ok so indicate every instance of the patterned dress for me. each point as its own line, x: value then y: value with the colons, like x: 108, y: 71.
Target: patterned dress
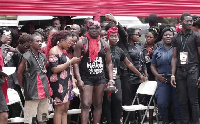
x: 61, y: 83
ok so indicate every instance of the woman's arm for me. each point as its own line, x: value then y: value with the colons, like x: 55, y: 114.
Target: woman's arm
x: 62, y: 67
x: 158, y: 76
x: 132, y: 67
x: 77, y: 53
x: 173, y: 63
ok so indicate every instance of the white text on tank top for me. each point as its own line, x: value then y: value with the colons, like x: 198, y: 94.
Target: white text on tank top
x: 95, y: 67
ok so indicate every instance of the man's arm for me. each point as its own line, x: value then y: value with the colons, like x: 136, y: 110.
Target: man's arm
x: 109, y: 65
x: 21, y: 69
x: 77, y: 53
x: 174, y: 60
x: 173, y: 64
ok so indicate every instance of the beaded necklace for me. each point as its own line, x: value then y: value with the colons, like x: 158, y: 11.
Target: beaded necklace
x: 42, y: 67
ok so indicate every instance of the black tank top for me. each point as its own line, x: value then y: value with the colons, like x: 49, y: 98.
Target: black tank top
x: 88, y: 69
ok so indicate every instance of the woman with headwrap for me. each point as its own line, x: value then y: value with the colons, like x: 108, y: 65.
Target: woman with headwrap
x: 113, y: 103
x: 90, y: 72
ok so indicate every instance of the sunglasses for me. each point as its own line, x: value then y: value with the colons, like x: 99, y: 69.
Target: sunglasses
x: 95, y: 23
x: 139, y: 35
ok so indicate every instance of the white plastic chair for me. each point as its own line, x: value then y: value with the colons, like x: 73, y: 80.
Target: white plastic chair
x: 147, y: 88
x: 13, y: 97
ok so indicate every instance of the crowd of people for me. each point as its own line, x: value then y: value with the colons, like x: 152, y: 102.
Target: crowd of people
x: 107, y: 63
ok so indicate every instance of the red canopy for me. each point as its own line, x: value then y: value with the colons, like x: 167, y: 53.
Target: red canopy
x: 140, y: 8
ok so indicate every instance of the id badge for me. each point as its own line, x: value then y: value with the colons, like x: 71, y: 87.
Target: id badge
x: 147, y: 58
x: 114, y: 73
x: 184, y: 58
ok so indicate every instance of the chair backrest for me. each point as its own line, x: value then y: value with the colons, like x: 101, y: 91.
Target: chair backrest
x: 13, y: 96
x: 148, y: 88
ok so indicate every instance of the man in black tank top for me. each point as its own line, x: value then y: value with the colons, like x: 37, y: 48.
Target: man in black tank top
x: 90, y: 72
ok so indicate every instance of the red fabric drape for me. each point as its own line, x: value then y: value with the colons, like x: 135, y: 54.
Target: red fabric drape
x: 4, y: 87
x: 141, y: 8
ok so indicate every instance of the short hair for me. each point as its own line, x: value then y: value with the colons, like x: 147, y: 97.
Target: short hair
x: 184, y: 15
x: 34, y: 35
x: 24, y: 38
x: 153, y: 18
x: 55, y: 19
x: 131, y: 31
x: 86, y: 20
x: 40, y: 31
x: 77, y: 26
x: 167, y: 29
x: 50, y: 28
x: 83, y: 31
x: 75, y: 35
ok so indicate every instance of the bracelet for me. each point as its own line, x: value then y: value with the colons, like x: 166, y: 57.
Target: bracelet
x: 112, y: 81
x: 172, y: 76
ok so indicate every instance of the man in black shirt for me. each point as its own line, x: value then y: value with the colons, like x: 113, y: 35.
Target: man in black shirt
x: 186, y: 49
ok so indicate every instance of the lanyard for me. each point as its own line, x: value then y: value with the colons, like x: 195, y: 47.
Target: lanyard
x: 183, y: 44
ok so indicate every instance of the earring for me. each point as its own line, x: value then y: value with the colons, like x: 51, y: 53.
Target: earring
x: 58, y: 42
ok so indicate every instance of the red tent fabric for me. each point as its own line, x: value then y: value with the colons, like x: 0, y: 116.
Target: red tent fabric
x: 140, y: 8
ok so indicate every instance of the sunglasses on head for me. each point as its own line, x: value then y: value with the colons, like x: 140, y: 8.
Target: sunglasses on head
x: 95, y: 23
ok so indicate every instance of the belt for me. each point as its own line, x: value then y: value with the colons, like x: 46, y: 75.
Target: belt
x: 187, y: 67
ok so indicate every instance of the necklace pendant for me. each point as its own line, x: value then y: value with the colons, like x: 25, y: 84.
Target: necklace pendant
x: 44, y: 71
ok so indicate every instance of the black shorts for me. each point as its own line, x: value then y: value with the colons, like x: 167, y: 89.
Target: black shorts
x: 3, y: 104
x: 94, y: 80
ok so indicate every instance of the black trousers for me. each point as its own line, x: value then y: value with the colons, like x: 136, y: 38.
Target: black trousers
x: 126, y: 90
x: 112, y: 105
x: 187, y: 90
x: 128, y: 93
